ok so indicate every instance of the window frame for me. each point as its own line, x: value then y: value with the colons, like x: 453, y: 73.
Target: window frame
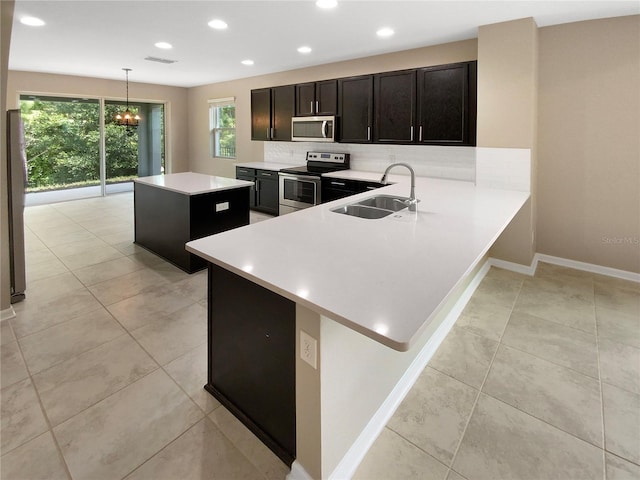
x: 215, y: 130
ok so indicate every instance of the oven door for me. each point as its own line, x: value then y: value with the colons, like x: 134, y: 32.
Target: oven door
x: 299, y: 191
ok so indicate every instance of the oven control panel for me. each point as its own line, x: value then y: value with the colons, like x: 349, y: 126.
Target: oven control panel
x: 328, y: 157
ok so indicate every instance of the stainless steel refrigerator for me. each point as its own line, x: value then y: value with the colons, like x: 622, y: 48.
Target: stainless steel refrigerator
x: 17, y: 182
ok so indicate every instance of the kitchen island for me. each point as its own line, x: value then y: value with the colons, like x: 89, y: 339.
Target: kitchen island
x: 172, y: 209
x: 360, y: 300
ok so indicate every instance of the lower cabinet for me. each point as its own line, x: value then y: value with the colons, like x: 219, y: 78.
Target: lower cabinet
x: 335, y: 188
x: 251, y: 358
x: 264, y: 194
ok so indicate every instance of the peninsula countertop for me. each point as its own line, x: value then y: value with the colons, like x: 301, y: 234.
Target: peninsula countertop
x: 384, y: 278
x: 190, y: 183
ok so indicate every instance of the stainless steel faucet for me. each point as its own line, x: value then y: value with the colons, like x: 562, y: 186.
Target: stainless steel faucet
x: 412, y: 202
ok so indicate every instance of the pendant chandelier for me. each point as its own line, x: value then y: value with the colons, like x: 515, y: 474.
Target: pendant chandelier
x: 126, y: 118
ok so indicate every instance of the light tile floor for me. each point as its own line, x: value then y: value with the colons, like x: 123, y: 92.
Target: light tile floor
x: 103, y: 367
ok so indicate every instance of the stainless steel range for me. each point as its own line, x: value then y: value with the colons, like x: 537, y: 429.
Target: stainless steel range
x: 300, y: 187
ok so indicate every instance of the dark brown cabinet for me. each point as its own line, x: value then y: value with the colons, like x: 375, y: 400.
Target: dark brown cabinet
x: 251, y: 358
x: 431, y: 106
x: 282, y: 109
x: 264, y: 195
x: 261, y: 114
x: 355, y: 108
x: 317, y: 98
x: 394, y: 107
x: 447, y: 104
x: 271, y: 112
x: 335, y: 188
x: 267, y: 191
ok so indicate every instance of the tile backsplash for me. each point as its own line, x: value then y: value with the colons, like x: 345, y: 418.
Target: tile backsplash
x: 505, y: 168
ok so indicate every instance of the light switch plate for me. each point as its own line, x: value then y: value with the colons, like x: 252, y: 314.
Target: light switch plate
x: 308, y: 349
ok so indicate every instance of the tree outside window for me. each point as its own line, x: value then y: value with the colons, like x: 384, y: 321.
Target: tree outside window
x: 223, y: 128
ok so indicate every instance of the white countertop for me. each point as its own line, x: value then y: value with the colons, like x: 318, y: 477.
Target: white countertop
x: 267, y: 165
x: 190, y: 183
x: 384, y: 278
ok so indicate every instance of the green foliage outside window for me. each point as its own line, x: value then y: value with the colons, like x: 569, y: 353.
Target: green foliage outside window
x: 62, y: 144
x: 223, y: 130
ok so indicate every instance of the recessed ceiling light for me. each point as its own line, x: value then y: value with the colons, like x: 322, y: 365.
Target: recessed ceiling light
x: 327, y: 3
x: 218, y: 24
x: 32, y: 21
x: 304, y: 49
x: 385, y: 32
x: 247, y: 62
x: 164, y: 45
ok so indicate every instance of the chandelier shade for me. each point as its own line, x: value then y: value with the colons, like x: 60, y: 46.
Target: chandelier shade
x: 126, y: 118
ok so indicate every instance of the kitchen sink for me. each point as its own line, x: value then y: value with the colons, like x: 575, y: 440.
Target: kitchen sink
x: 379, y: 206
x: 386, y: 202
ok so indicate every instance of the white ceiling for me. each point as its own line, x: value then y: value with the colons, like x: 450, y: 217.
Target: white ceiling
x: 97, y: 38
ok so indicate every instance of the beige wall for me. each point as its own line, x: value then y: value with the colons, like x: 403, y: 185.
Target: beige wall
x: 249, y: 151
x: 589, y: 147
x: 174, y: 97
x: 6, y: 22
x: 507, y: 113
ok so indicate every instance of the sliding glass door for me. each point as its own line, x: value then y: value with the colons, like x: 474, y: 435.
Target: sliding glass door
x: 63, y: 144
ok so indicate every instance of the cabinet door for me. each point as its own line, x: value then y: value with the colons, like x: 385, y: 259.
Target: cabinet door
x: 267, y: 191
x: 326, y: 97
x: 395, y: 107
x: 447, y: 104
x: 283, y: 107
x: 261, y: 114
x: 305, y: 99
x: 355, y: 105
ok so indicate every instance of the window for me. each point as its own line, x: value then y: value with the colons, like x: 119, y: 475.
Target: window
x: 222, y: 121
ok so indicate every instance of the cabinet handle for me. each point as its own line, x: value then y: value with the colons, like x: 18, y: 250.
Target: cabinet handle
x: 311, y: 106
x: 268, y: 133
x: 317, y: 109
x: 420, y: 134
x: 371, y: 188
x: 368, y: 133
x: 264, y: 174
x: 271, y: 132
x: 412, y: 133
x: 342, y: 184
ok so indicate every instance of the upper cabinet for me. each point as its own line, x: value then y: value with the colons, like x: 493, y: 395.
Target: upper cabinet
x: 316, y: 98
x: 394, y: 107
x: 355, y: 109
x: 431, y: 106
x: 447, y: 104
x: 283, y: 103
x: 261, y: 114
x: 271, y: 112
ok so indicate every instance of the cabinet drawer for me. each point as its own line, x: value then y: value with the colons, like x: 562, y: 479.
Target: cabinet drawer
x: 267, y: 174
x: 245, y: 172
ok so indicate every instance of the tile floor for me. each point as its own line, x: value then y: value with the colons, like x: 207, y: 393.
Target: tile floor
x: 103, y: 367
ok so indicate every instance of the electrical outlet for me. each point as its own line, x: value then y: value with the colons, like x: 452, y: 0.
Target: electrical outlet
x: 308, y: 349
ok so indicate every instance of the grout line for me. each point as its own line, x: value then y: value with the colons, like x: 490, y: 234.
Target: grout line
x: 44, y: 414
x: 603, y: 435
x: 486, y: 375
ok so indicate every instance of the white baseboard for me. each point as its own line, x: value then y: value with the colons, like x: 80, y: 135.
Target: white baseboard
x: 515, y: 267
x: 7, y: 314
x: 588, y: 267
x: 350, y: 462
x: 564, y: 262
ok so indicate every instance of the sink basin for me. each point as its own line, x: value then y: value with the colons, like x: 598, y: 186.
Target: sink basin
x: 362, y: 211
x: 387, y: 202
x: 379, y: 206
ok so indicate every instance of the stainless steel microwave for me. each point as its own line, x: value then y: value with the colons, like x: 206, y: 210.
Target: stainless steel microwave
x: 313, y: 129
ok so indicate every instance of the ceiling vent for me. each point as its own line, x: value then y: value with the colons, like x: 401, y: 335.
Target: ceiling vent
x: 160, y: 60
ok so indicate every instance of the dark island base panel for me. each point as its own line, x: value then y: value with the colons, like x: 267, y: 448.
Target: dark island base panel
x: 165, y: 220
x: 251, y: 358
